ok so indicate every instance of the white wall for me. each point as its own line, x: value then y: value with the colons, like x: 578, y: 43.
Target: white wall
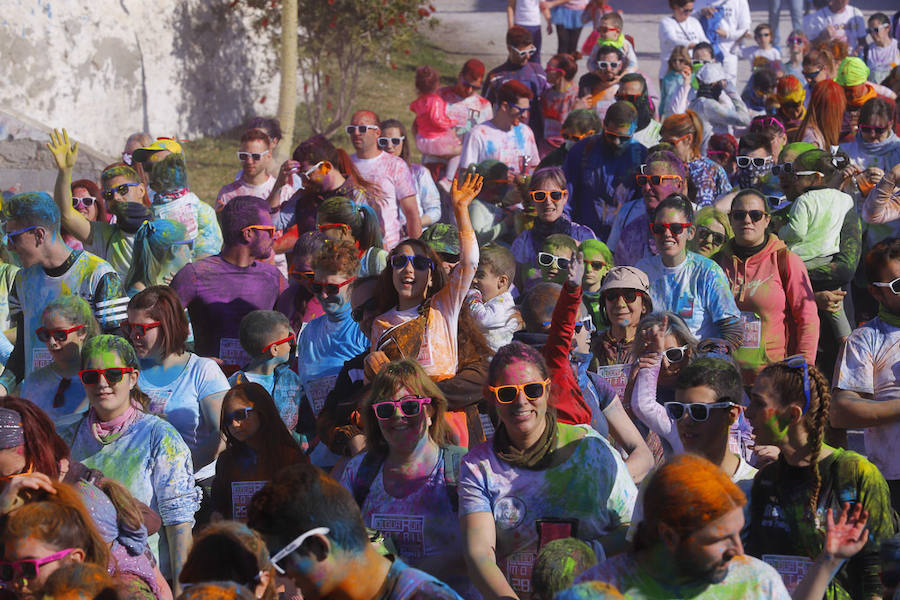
x: 107, y: 68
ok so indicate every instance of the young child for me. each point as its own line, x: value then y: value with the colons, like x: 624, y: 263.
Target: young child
x: 883, y: 54
x: 763, y: 48
x: 435, y: 134
x: 557, y: 253
x: 267, y: 337
x: 257, y: 446
x: 610, y: 32
x: 490, y: 300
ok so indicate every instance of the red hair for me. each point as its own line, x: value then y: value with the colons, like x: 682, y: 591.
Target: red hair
x: 257, y: 135
x: 473, y: 69
x: 825, y: 113
x: 44, y: 448
x: 94, y: 190
x: 681, y: 124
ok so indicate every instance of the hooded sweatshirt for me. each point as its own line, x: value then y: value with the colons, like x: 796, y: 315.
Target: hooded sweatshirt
x: 813, y: 228
x: 777, y: 305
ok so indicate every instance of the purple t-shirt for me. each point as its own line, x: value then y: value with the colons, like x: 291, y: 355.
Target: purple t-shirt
x: 218, y: 294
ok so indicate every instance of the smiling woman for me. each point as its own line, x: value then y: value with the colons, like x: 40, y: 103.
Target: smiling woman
x: 533, y: 470
x: 407, y: 480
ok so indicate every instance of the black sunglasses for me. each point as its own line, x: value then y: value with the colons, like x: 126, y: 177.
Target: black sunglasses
x: 675, y: 228
x: 697, y: 410
x: 357, y: 313
x: 629, y: 295
x: 119, y: 189
x: 385, y: 142
x: 238, y: 415
x: 112, y: 375
x: 756, y: 161
x: 704, y: 232
x: 419, y: 262
x: 811, y: 75
x: 755, y: 215
x: 784, y: 168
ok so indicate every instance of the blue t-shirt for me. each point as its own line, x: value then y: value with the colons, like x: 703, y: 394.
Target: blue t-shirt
x: 285, y: 388
x: 696, y: 290
x: 42, y: 386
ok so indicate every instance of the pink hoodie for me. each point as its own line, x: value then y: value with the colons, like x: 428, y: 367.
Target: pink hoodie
x: 431, y: 115
x: 786, y: 309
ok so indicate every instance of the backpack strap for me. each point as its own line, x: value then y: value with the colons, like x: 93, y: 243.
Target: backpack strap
x: 452, y: 460
x: 365, y: 476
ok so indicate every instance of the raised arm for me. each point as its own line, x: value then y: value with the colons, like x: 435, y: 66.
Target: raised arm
x: 882, y: 205
x: 65, y: 153
x: 461, y: 197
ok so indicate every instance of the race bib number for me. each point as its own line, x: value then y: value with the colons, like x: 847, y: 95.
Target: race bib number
x: 40, y: 357
x: 181, y: 211
x: 617, y: 378
x: 158, y: 400
x: 231, y: 353
x: 791, y: 568
x: 752, y: 326
x: 518, y: 571
x: 241, y: 494
x: 486, y: 425
x: 317, y: 390
x: 407, y: 531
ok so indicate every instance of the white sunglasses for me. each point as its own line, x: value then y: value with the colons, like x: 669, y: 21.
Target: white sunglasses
x: 298, y: 541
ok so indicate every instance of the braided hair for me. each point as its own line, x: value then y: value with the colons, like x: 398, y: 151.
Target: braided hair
x: 789, y: 383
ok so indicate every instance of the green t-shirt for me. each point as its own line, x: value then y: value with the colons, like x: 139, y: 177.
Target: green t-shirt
x: 112, y: 245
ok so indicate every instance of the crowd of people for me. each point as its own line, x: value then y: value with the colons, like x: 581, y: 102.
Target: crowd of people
x: 596, y: 336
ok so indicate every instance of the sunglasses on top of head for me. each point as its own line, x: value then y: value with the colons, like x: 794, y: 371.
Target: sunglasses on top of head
x: 675, y: 228
x: 387, y: 142
x: 419, y: 262
x: 113, y: 375
x: 330, y: 289
x: 409, y: 406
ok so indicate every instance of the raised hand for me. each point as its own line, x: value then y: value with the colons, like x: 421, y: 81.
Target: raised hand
x: 462, y: 195
x: 847, y: 536
x: 64, y: 151
x: 576, y: 269
x: 655, y: 337
x: 9, y: 498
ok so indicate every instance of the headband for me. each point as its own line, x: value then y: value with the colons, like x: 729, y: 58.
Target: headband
x: 11, y: 432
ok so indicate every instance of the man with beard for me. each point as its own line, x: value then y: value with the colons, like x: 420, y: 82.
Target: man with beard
x: 220, y: 290
x: 599, y: 86
x: 600, y: 171
x: 630, y: 240
x: 464, y: 104
x: 633, y: 88
x: 125, y: 195
x: 689, y: 545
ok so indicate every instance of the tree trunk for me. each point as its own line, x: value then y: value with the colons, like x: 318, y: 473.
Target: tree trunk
x: 287, y: 95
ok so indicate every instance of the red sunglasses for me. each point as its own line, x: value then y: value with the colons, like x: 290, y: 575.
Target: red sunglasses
x: 289, y: 338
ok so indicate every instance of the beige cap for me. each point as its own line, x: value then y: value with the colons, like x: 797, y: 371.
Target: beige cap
x: 626, y: 277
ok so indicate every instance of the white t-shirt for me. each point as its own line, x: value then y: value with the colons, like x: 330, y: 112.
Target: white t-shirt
x: 395, y: 181
x: 849, y: 23
x: 882, y: 60
x: 486, y: 141
x: 527, y: 13
x: 735, y: 23
x: 179, y: 399
x: 867, y: 365
x: 672, y: 33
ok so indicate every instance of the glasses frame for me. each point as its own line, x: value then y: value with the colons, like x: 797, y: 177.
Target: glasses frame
x: 894, y: 285
x: 681, y: 349
x: 619, y: 136
x: 608, y: 64
x: 52, y: 333
x: 296, y: 543
x: 756, y: 161
x: 756, y: 215
x: 398, y: 405
x: 804, y: 173
x: 79, y: 202
x: 131, y: 329
x: 102, y: 372
x: 362, y: 129
x: 256, y: 156
x: 786, y: 168
x: 704, y: 232
x: 17, y: 572
x: 11, y: 238
x: 628, y: 294
x: 562, y: 263
x: 289, y: 338
x: 585, y: 322
x: 688, y: 409
x: 232, y: 416
x: 541, y: 196
x: 110, y: 193
x: 642, y: 179
x: 526, y: 53
x: 386, y: 142
x: 330, y: 289
x: 270, y: 229
x: 574, y: 137
x: 411, y: 258
x: 670, y: 227
x: 519, y: 387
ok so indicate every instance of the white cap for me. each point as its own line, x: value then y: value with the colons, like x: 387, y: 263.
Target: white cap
x: 711, y: 73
